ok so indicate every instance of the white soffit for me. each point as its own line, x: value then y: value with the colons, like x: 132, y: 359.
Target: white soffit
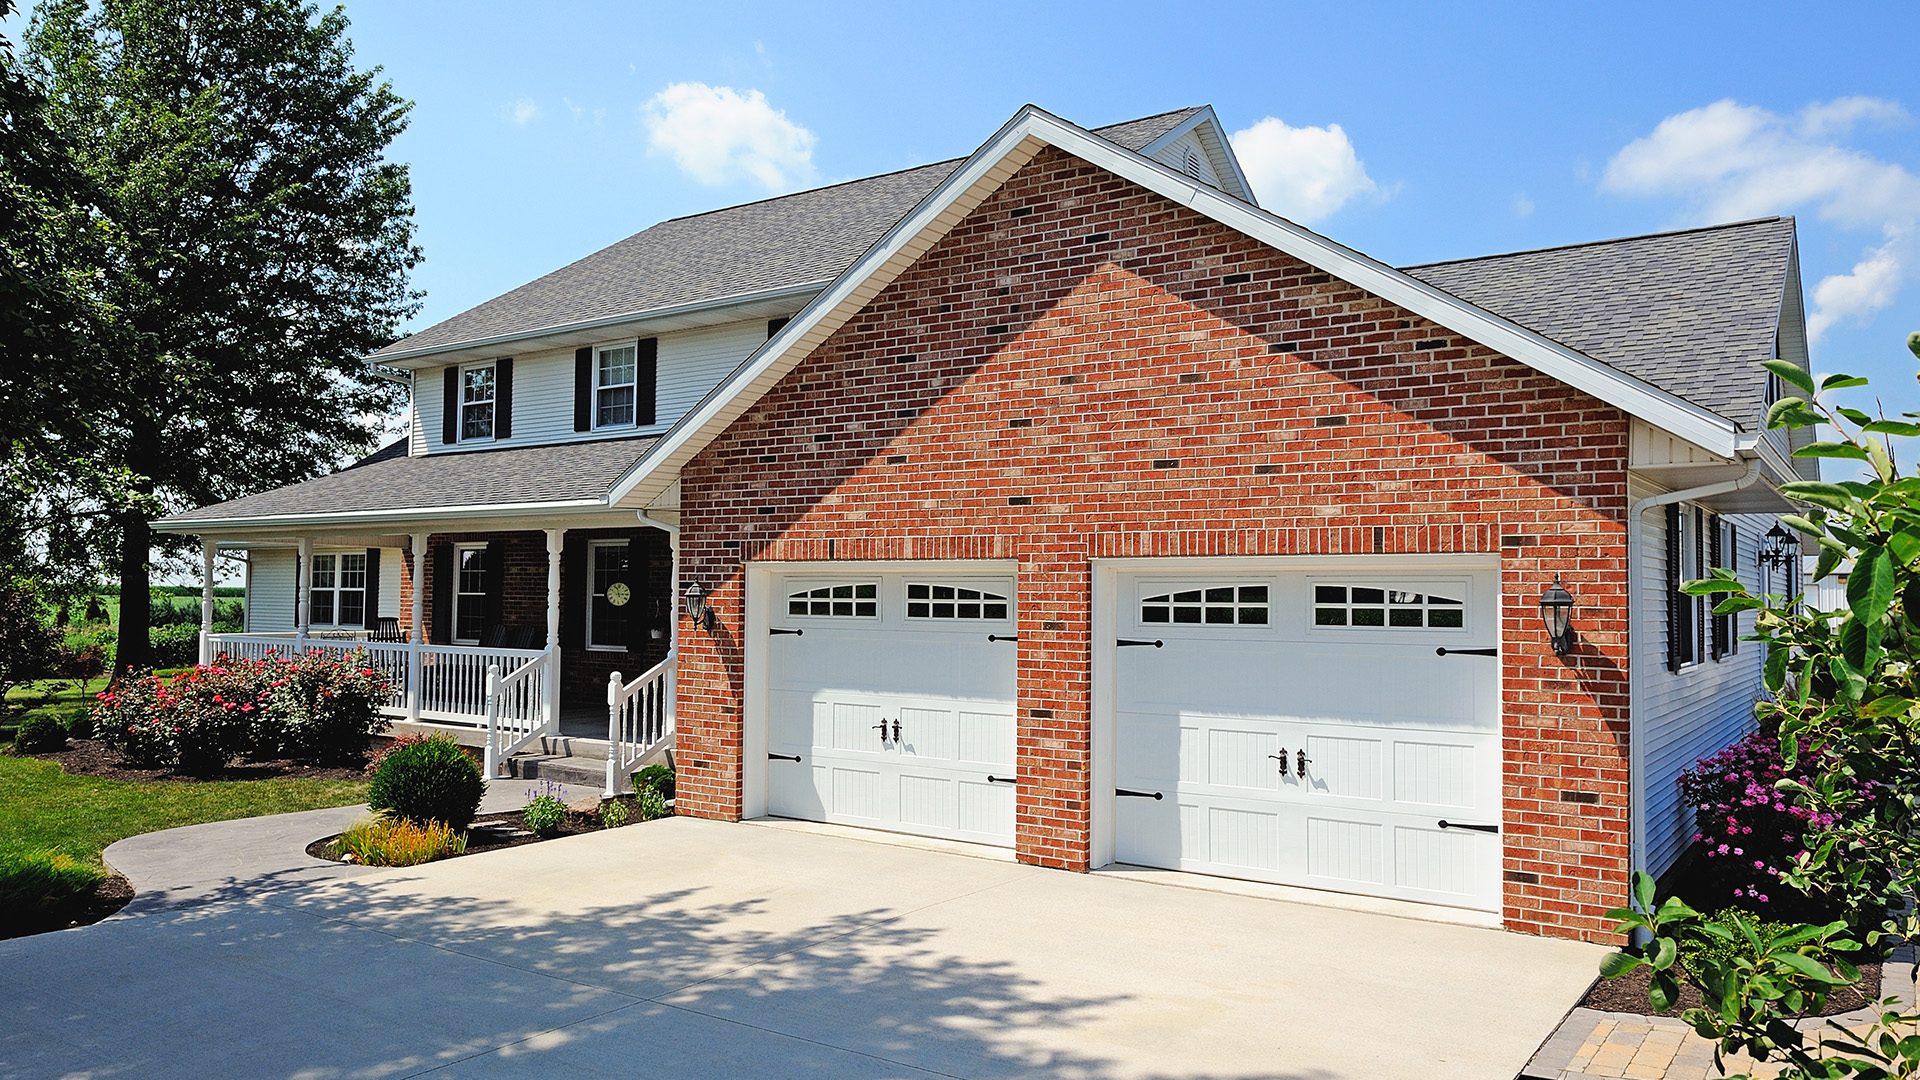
x: 1015, y: 144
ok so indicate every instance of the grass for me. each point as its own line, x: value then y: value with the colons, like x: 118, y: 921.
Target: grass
x: 42, y: 807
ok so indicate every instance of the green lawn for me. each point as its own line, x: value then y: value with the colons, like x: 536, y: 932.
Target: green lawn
x: 43, y: 807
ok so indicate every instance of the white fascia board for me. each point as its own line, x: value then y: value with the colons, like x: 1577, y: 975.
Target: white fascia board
x: 1011, y: 148
x: 677, y: 310
x: 1206, y: 118
x: 330, y: 519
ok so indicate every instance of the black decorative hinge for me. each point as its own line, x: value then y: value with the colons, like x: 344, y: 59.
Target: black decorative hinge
x: 776, y: 631
x: 1124, y: 642
x: 783, y: 757
x: 1445, y: 824
x: 1127, y: 794
x: 1466, y: 652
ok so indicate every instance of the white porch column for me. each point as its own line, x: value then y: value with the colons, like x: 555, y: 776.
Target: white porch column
x: 206, y: 601
x: 416, y: 634
x: 303, y: 613
x: 555, y: 542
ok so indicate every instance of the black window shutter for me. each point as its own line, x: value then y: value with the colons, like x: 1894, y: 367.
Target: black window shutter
x: 450, y: 409
x: 1717, y: 624
x: 503, y: 398
x: 1697, y: 604
x: 646, y: 372
x: 495, y: 565
x: 441, y: 569
x: 583, y: 389
x: 573, y: 592
x: 636, y: 630
x: 1677, y: 621
x: 371, y: 610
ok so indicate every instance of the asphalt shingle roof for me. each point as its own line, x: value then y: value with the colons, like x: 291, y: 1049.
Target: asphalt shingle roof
x: 1690, y: 312
x: 563, y: 472
x: 793, y: 240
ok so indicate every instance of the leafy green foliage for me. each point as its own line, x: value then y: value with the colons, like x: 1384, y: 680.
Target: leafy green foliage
x: 652, y: 787
x: 399, y: 842
x: 545, y: 810
x: 39, y: 733
x: 434, y: 779
x: 613, y: 814
x: 40, y: 890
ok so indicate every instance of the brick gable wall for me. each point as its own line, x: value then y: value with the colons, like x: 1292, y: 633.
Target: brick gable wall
x: 1082, y: 369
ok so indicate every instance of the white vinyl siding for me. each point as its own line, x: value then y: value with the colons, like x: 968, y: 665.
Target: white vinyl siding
x: 270, y: 589
x: 1175, y: 156
x: 690, y: 364
x: 1696, y: 711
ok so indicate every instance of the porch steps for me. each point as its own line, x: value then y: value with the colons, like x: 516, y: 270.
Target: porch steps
x: 566, y: 759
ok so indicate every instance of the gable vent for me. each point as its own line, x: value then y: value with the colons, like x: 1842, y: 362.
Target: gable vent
x: 1191, y: 165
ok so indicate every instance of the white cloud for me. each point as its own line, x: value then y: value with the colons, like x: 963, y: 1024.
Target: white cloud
x: 521, y: 113
x: 716, y: 135
x: 1522, y: 205
x: 1301, y: 173
x: 1729, y: 161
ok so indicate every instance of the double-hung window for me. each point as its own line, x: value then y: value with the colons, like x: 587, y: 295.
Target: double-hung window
x: 610, y: 597
x: 339, y: 593
x: 469, y: 594
x: 1697, y: 542
x: 615, y: 385
x: 478, y: 388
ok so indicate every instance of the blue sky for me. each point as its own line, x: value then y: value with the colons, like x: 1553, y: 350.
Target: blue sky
x: 542, y: 134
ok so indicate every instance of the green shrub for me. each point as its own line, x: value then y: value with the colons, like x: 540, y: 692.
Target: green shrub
x: 41, y: 890
x: 174, y: 645
x: 431, y: 780
x: 323, y: 708
x: 40, y: 733
x: 652, y: 787
x: 545, y: 809
x: 195, y: 721
x: 80, y: 724
x: 397, y: 842
x: 1696, y: 952
x: 613, y: 814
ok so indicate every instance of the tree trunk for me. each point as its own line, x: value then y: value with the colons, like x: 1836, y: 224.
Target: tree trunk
x: 131, y: 652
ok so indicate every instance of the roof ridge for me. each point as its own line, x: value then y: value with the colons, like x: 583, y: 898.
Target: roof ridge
x: 1601, y: 243
x: 907, y: 169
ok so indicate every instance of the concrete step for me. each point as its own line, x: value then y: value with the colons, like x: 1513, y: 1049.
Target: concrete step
x: 586, y: 772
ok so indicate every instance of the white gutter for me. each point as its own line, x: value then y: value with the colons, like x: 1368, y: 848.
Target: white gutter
x: 1637, y: 759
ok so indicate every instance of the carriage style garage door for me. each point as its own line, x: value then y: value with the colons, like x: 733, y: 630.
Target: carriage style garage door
x: 890, y: 701
x: 1304, y: 728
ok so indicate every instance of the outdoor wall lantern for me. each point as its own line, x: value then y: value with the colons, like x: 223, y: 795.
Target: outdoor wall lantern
x: 1778, y: 548
x: 698, y: 609
x: 1556, y: 610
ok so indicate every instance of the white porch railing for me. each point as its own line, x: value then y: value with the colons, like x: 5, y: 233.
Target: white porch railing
x: 639, y: 721
x: 520, y: 706
x: 442, y: 683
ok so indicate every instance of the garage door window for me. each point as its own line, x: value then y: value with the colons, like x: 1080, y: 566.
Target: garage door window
x: 860, y: 601
x: 1368, y: 606
x: 1222, y: 605
x: 929, y: 601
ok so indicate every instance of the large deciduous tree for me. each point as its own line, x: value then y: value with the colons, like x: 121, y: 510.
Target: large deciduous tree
x: 250, y: 244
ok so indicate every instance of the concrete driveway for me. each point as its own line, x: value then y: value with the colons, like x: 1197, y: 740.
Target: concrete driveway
x: 687, y: 949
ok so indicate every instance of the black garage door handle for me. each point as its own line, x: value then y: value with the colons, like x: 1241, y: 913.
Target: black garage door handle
x: 1126, y: 794
x: 1466, y: 652
x: 1445, y: 824
x: 1124, y: 642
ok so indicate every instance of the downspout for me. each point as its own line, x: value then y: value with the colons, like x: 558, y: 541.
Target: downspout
x: 1637, y: 765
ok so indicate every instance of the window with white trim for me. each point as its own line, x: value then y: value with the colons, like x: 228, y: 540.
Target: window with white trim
x: 615, y: 385
x: 1217, y: 605
x: 859, y: 600
x: 609, y: 595
x: 469, y: 594
x: 926, y: 600
x: 339, y: 589
x: 477, y: 391
x: 1368, y: 606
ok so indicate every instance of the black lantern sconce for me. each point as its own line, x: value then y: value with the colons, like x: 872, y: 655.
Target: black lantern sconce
x: 1778, y: 548
x: 1556, y: 610
x: 698, y: 609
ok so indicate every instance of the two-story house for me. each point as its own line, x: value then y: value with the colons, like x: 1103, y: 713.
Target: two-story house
x: 1061, y: 499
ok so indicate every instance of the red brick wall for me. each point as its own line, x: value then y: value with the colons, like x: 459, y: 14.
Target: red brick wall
x: 1081, y: 381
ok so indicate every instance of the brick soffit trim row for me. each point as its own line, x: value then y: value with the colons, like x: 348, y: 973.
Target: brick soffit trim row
x: 1015, y: 144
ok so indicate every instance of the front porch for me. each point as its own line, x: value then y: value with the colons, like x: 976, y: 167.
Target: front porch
x: 515, y: 641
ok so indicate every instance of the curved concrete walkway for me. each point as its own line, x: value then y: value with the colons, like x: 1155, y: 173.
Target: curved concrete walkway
x: 686, y: 949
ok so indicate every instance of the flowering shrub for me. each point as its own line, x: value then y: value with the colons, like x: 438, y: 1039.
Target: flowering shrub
x: 546, y: 810
x: 1751, y: 830
x: 315, y: 707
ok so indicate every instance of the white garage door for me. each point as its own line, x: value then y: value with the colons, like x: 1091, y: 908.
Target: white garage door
x: 890, y: 702
x: 1305, y: 728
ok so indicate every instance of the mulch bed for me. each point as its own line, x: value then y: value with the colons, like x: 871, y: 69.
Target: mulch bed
x: 112, y: 895
x: 1628, y: 994
x: 491, y: 832
x: 89, y: 757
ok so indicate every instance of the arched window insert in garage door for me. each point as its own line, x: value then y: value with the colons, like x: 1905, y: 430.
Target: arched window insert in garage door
x: 858, y: 600
x: 930, y: 601
x: 1366, y: 605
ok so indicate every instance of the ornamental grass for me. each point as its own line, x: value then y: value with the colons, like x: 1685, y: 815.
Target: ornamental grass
x: 399, y: 842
